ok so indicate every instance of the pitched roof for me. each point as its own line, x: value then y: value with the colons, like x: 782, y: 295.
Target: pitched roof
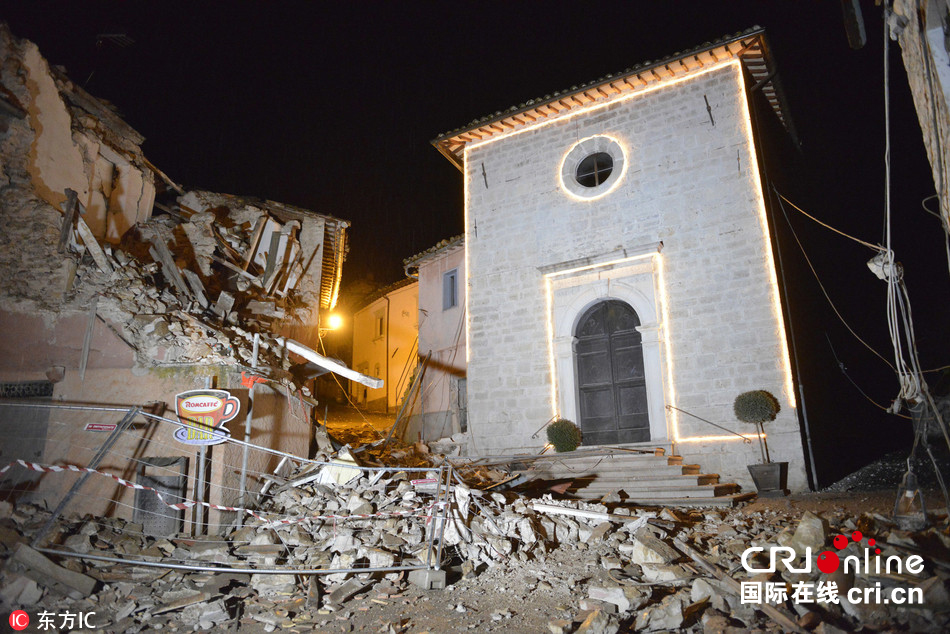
x: 750, y: 47
x: 383, y: 292
x: 444, y: 245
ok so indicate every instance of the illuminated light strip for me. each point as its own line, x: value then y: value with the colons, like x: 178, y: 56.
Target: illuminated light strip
x: 603, y: 104
x: 623, y: 170
x: 587, y: 267
x: 719, y: 438
x: 664, y: 311
x: 552, y: 363
x: 667, y: 344
x: 770, y: 260
x: 468, y: 269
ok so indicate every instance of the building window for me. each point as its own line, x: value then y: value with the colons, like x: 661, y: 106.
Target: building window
x: 595, y: 169
x: 450, y: 290
x: 379, y: 325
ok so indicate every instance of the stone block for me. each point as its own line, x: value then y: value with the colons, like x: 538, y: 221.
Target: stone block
x: 428, y: 579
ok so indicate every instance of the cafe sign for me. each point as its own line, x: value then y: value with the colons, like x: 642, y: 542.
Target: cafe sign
x: 203, y: 414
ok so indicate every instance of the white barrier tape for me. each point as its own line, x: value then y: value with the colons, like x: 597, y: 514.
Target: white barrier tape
x: 425, y: 511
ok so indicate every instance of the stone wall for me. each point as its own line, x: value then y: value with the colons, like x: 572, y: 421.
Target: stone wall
x: 686, y: 206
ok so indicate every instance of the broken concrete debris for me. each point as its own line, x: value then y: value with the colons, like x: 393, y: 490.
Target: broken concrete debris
x: 509, y: 558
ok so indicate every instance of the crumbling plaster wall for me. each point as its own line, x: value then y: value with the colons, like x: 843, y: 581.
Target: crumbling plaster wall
x: 72, y: 148
x: 920, y: 30
x: 275, y: 425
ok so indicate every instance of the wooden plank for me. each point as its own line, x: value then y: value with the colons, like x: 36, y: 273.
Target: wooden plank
x: 201, y: 597
x: 329, y: 364
x: 197, y: 288
x: 87, y: 338
x: 42, y: 570
x: 69, y: 217
x: 164, y: 177
x: 255, y: 241
x: 252, y: 278
x: 167, y: 260
x: 774, y: 613
x: 92, y: 245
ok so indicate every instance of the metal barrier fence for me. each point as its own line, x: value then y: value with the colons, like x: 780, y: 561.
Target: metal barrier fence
x: 108, y: 484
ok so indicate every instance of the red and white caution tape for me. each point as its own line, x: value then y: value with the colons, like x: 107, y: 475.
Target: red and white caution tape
x: 425, y: 511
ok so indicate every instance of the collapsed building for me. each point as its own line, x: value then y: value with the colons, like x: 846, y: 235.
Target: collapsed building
x: 122, y: 288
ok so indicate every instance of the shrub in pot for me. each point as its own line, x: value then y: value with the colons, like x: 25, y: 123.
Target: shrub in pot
x: 564, y: 435
x: 758, y: 407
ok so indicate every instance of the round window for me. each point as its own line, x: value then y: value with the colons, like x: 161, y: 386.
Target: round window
x: 592, y: 167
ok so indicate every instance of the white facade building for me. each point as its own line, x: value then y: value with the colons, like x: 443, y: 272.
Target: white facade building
x: 441, y: 410
x: 620, y: 266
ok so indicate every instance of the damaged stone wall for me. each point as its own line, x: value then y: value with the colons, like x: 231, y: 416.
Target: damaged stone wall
x: 77, y: 142
x: 920, y: 28
x: 125, y: 307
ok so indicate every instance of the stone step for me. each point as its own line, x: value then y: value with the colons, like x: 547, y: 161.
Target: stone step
x: 651, y: 482
x: 642, y: 479
x: 660, y: 492
x: 633, y: 460
x: 722, y: 501
x: 571, y: 471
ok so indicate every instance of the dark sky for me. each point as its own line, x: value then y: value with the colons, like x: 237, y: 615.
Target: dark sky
x: 331, y: 106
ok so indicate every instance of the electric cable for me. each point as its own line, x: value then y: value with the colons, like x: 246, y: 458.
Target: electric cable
x: 843, y: 368
x: 825, y: 292
x: 873, y: 247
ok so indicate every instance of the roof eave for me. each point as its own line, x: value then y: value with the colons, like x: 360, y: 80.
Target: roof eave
x: 444, y: 141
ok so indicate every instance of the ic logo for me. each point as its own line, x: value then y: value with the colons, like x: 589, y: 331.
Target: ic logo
x: 19, y: 620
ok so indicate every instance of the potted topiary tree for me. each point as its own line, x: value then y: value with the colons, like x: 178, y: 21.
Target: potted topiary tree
x: 564, y: 435
x: 758, y: 407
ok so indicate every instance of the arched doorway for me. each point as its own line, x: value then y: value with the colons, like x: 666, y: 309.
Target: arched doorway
x: 612, y: 393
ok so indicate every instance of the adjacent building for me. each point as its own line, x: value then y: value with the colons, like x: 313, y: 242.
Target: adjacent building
x: 442, y: 407
x: 385, y: 344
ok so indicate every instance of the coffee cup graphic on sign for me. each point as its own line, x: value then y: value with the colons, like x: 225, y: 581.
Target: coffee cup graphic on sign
x: 204, y: 412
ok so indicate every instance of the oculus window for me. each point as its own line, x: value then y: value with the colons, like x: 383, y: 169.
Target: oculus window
x: 595, y: 169
x: 592, y: 167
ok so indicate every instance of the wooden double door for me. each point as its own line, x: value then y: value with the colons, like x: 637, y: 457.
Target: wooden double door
x: 611, y: 384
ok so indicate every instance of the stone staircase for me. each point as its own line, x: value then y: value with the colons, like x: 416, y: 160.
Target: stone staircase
x: 639, y: 477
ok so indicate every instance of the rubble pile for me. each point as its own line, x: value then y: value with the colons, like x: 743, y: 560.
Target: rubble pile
x: 515, y: 564
x: 192, y: 286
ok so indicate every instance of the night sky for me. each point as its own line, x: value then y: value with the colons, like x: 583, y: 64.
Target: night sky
x: 332, y: 107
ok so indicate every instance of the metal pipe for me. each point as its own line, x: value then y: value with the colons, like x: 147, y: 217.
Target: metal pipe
x: 201, y: 468
x: 432, y: 528
x: 446, y: 509
x: 247, y: 427
x: 388, y: 315
x: 744, y: 438
x: 256, y: 571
